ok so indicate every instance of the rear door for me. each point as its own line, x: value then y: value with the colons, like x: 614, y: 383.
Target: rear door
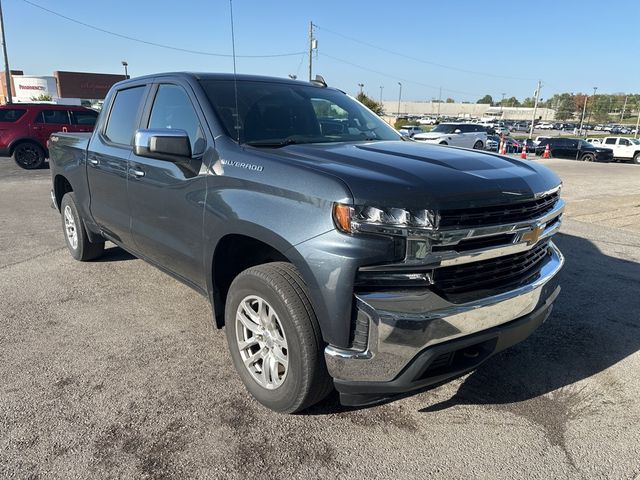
x: 166, y: 197
x: 108, y: 157
x: 49, y: 121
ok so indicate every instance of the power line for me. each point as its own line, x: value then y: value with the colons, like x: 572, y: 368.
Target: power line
x: 154, y: 44
x: 427, y: 62
x: 394, y: 77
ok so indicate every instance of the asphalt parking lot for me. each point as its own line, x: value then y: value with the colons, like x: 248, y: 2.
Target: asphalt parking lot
x: 112, y: 369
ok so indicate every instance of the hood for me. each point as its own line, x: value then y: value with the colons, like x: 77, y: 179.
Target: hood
x: 416, y: 175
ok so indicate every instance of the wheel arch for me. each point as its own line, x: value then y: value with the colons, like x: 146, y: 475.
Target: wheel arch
x: 61, y: 186
x: 22, y: 140
x: 242, y: 248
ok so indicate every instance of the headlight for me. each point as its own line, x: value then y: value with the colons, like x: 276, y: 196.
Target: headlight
x: 392, y: 221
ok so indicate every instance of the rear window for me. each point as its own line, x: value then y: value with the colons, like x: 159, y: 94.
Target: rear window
x: 11, y: 114
x: 82, y: 117
x: 610, y: 141
x: 57, y: 117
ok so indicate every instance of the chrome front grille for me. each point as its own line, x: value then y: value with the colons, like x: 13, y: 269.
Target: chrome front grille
x: 499, y: 214
x: 492, y: 273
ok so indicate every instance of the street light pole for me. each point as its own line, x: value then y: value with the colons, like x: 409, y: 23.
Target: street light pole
x: 399, y: 97
x: 126, y: 71
x: 381, y: 87
x: 7, y: 71
x: 361, y: 85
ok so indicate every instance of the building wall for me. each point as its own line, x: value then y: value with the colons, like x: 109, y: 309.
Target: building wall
x: 64, y: 87
x: 478, y: 110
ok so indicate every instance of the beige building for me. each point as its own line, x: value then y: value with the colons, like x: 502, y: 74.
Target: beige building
x: 466, y: 110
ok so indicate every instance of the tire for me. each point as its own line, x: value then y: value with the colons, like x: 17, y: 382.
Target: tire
x: 277, y: 290
x: 75, y: 235
x: 588, y: 157
x: 28, y: 155
x: 478, y: 145
x: 636, y: 158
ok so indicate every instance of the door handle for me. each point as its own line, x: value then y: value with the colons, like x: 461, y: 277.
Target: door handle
x: 136, y: 173
x: 93, y: 161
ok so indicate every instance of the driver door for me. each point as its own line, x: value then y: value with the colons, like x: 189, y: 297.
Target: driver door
x: 167, y: 197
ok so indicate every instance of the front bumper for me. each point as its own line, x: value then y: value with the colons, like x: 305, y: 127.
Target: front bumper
x: 404, y: 327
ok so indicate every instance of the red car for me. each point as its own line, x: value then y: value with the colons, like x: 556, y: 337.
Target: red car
x: 26, y: 127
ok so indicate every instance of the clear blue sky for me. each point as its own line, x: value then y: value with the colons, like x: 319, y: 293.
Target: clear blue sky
x: 571, y: 45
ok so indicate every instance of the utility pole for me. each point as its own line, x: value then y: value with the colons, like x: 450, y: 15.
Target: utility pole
x: 7, y: 71
x: 535, y: 108
x: 439, y: 101
x: 381, y: 87
x: 126, y: 66
x: 313, y: 44
x: 584, y: 109
x: 624, y: 107
x: 502, y: 106
x: 593, y: 103
x: 361, y: 85
x: 399, y: 97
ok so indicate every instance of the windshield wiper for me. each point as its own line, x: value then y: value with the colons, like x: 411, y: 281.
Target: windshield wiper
x: 274, y: 143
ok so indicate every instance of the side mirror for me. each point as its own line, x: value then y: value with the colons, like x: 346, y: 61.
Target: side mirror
x: 457, y: 130
x: 162, y: 143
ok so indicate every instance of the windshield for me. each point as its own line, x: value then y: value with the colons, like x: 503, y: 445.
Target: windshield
x: 272, y: 114
x: 445, y: 128
x: 635, y: 141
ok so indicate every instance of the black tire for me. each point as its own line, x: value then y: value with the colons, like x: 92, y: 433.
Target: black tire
x: 307, y: 380
x: 83, y: 250
x: 478, y: 145
x: 588, y: 157
x: 636, y: 158
x: 28, y: 155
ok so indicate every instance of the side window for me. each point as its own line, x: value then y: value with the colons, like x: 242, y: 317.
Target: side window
x: 572, y: 143
x: 173, y: 109
x: 610, y: 141
x: 81, y: 117
x: 59, y: 117
x: 624, y: 142
x: 124, y: 115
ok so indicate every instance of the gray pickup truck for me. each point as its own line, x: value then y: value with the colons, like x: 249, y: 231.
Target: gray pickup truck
x: 335, y: 253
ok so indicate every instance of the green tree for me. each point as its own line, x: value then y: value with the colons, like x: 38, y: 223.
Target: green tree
x: 529, y: 102
x: 371, y: 104
x: 486, y: 99
x: 566, y: 106
x: 42, y: 98
x: 450, y: 100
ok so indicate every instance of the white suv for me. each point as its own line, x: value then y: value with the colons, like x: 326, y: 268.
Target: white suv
x: 467, y: 135
x: 409, y: 130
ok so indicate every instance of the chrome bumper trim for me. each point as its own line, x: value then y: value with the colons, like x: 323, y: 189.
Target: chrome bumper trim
x: 402, y: 324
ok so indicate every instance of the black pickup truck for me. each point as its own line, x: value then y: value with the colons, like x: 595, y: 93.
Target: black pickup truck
x: 335, y: 253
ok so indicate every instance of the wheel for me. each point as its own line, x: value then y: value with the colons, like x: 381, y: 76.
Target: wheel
x: 587, y: 157
x: 28, y: 155
x: 75, y: 235
x: 274, y: 338
x: 478, y: 145
x: 636, y: 158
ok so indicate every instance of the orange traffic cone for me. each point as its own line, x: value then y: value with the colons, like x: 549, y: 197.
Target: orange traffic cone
x: 523, y: 153
x: 503, y: 146
x: 547, y: 152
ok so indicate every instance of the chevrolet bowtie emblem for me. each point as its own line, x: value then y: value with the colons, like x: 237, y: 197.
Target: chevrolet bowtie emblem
x: 533, y: 236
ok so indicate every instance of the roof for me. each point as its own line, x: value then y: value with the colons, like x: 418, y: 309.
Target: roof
x: 221, y: 76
